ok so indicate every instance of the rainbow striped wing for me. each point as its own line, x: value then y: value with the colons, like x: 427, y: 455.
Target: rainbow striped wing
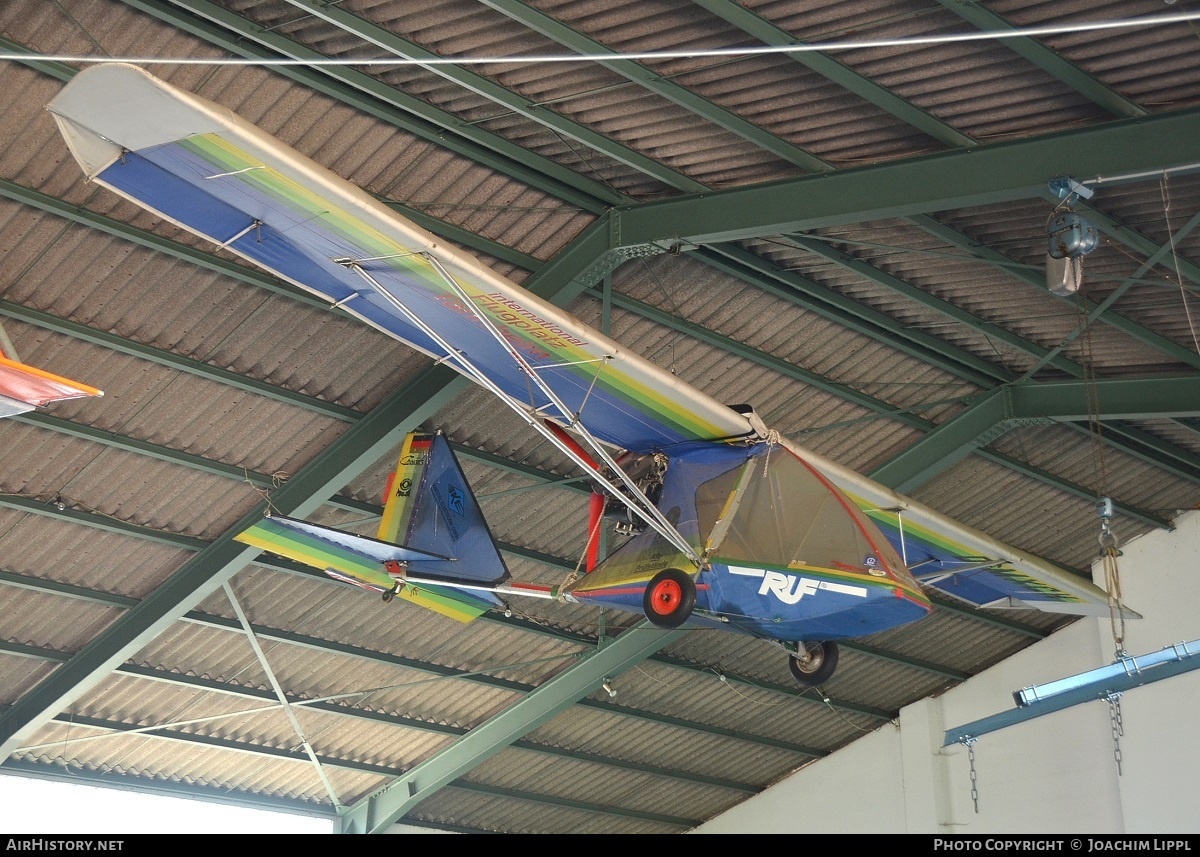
x: 964, y: 563
x: 214, y: 174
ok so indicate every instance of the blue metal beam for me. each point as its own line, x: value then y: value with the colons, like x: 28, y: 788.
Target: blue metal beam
x: 1103, y: 683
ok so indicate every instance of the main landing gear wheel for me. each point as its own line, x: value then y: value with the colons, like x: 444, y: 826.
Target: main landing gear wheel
x: 669, y: 599
x: 814, y: 664
x: 390, y: 593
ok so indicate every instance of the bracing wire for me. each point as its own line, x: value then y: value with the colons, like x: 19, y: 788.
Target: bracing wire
x: 1018, y: 33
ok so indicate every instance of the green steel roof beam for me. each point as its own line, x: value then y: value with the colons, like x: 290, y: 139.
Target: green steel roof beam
x: 119, y: 728
x: 946, y: 445
x: 440, y: 671
x: 59, y: 70
x: 385, y: 806
x: 1185, y: 268
x: 993, y: 412
x: 142, y: 447
x: 943, y: 307
x: 1155, y: 450
x: 368, y: 95
x: 1122, y: 233
x: 647, y: 79
x: 828, y: 303
x: 794, y: 372
x: 1138, y: 443
x: 1097, y: 311
x: 107, y: 523
x: 1154, y: 398
x: 1081, y: 492
x: 188, y: 365
x: 1058, y: 401
x: 762, y: 358
x: 575, y: 266
x: 183, y: 680
x: 144, y: 238
x: 465, y: 238
x: 360, y: 446
x: 829, y: 68
x: 880, y: 407
x: 1046, y: 59
x: 998, y: 172
x: 480, y: 85
x: 1172, y: 396
x: 1046, y: 356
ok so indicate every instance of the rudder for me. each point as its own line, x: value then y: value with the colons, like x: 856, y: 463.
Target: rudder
x: 398, y: 496
x: 430, y: 507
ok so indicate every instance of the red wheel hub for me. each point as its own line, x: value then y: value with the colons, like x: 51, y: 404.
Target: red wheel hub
x: 666, y: 597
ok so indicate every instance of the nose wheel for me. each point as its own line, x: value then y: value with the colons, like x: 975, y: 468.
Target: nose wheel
x: 814, y: 663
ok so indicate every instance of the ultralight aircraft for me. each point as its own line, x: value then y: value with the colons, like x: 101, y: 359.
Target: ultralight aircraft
x: 25, y: 388
x: 730, y: 524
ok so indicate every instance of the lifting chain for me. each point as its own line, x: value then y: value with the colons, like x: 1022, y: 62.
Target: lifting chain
x: 1118, y: 727
x: 970, y: 742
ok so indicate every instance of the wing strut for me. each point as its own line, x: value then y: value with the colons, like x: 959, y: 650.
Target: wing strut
x: 643, y: 508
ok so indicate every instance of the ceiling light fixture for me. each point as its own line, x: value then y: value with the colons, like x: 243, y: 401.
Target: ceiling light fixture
x: 1069, y: 238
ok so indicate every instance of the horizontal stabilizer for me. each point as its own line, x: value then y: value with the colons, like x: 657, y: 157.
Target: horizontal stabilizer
x: 327, y: 546
x: 359, y: 560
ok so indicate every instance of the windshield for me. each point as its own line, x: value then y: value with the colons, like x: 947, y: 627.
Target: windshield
x: 774, y: 509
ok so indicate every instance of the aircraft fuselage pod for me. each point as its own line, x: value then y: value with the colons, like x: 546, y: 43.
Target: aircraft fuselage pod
x: 784, y: 553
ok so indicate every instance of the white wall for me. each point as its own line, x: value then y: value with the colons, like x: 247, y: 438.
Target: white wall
x: 1054, y: 774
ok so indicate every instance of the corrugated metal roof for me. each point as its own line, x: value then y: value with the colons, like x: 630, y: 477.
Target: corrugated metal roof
x: 856, y: 338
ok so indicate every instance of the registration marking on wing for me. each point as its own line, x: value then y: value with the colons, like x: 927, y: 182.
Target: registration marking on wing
x: 789, y: 589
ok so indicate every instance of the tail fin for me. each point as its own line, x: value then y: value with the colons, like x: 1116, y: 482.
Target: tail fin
x: 431, y: 526
x: 431, y: 508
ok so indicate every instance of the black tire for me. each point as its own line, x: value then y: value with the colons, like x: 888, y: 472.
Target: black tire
x: 669, y: 599
x: 817, y: 666
x: 389, y: 595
